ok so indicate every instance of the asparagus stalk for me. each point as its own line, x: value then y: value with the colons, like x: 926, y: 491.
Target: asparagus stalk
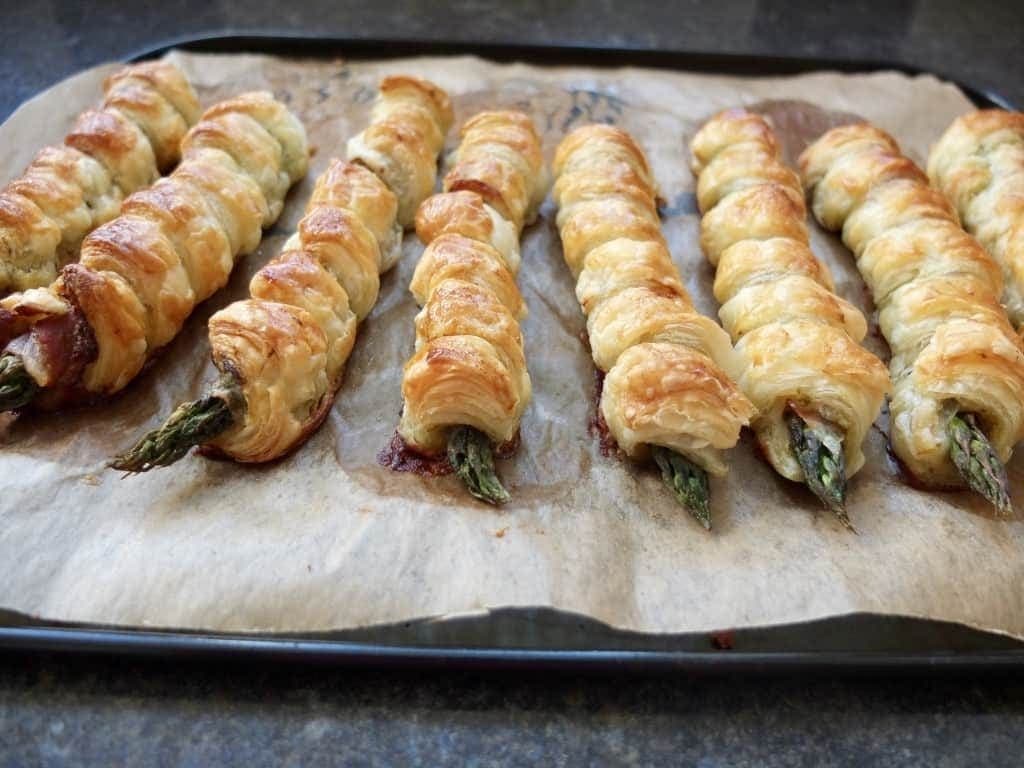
x: 469, y: 452
x: 687, y: 481
x: 977, y: 462
x: 191, y: 424
x: 818, y: 446
x: 17, y: 387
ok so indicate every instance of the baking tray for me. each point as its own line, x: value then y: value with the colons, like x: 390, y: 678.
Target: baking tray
x: 543, y: 639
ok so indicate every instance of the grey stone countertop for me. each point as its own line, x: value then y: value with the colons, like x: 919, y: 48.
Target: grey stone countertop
x: 58, y: 710
x: 61, y: 711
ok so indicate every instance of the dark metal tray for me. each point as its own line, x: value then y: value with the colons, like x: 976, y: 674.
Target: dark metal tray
x: 542, y: 639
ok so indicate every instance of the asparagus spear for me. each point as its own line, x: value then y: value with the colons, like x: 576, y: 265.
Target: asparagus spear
x: 469, y: 452
x: 191, y: 424
x: 687, y: 481
x: 976, y: 460
x: 818, y: 446
x: 17, y: 387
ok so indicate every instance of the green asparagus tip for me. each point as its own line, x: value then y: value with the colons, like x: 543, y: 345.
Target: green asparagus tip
x: 818, y: 446
x: 469, y: 452
x: 687, y: 481
x: 977, y: 462
x: 191, y: 424
x: 17, y: 387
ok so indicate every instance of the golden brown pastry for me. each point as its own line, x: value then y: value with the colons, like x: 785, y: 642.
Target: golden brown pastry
x: 458, y: 257
x: 69, y: 190
x: 957, y: 366
x: 466, y: 213
x: 816, y: 390
x: 282, y: 352
x: 466, y: 385
x: 344, y: 185
x: 141, y: 274
x: 668, y: 390
x: 286, y: 347
x: 979, y: 164
x: 458, y: 375
x: 408, y: 124
x: 499, y: 157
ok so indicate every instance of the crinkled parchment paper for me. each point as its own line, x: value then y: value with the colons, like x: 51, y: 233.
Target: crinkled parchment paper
x: 327, y: 539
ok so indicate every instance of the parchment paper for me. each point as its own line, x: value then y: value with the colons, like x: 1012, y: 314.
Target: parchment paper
x: 327, y: 539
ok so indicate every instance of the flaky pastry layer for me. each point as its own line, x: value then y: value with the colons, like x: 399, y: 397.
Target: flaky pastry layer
x: 110, y: 152
x: 799, y: 341
x: 174, y: 244
x: 979, y: 164
x: 408, y: 124
x: 469, y: 368
x: 937, y: 293
x: 668, y: 368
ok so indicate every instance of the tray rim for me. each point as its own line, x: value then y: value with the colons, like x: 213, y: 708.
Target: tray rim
x: 170, y: 646
x: 262, y: 41
x: 177, y: 646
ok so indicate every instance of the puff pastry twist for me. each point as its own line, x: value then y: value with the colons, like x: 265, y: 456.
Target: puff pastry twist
x: 668, y: 369
x: 282, y: 352
x: 804, y: 370
x: 174, y: 244
x: 979, y: 164
x: 70, y: 189
x: 408, y: 124
x: 287, y: 345
x: 957, y: 366
x: 467, y: 384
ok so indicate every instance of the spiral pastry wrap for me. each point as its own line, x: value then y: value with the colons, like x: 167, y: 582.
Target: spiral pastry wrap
x: 174, y: 244
x: 287, y: 345
x: 979, y: 164
x: 668, y: 369
x: 68, y: 190
x: 408, y: 124
x: 469, y: 368
x: 937, y: 293
x: 799, y: 341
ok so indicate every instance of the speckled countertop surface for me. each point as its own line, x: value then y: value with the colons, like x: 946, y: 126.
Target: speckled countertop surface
x: 74, y: 711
